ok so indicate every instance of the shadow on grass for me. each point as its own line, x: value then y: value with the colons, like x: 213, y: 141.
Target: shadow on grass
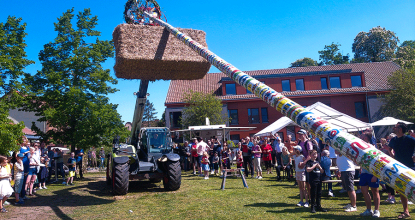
x: 66, y: 198
x: 270, y: 205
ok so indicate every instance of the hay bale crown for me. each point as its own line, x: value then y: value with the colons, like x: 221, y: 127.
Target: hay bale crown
x: 152, y: 53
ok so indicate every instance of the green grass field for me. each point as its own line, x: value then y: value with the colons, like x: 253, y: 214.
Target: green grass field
x: 197, y: 198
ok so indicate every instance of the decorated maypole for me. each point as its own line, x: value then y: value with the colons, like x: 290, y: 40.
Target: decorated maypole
x: 387, y: 169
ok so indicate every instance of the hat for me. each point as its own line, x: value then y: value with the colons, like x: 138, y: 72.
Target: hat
x: 298, y: 147
x: 102, y: 147
x: 302, y: 131
x: 20, y: 155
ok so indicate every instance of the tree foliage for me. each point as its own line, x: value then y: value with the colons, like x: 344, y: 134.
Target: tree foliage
x: 200, y: 106
x: 304, y: 62
x: 331, y: 55
x: 149, y: 114
x: 377, y: 45
x: 70, y: 90
x: 162, y: 121
x: 405, y: 55
x: 12, y: 64
x: 400, y: 102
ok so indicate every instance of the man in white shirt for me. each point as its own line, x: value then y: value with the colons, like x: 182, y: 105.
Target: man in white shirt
x: 347, y: 170
x: 201, y: 148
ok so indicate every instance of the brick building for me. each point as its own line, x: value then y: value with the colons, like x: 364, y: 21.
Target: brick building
x: 353, y: 89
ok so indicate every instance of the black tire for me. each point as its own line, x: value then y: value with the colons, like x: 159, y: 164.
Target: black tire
x: 109, y: 166
x: 173, y: 177
x: 120, y: 179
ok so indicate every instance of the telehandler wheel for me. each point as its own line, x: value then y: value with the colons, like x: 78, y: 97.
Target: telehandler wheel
x: 173, y: 177
x: 120, y: 179
x: 109, y: 167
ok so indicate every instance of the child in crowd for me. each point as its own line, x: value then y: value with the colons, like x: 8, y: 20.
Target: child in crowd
x: 6, y: 189
x: 215, y: 162
x: 300, y: 162
x: 256, y: 150
x: 43, y: 173
x: 205, y: 165
x: 285, y: 164
x: 314, y: 170
x: 72, y: 168
x: 325, y: 163
x: 18, y: 178
x: 239, y: 160
x: 31, y: 176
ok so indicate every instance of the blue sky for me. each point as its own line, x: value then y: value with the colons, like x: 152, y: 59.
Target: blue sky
x: 251, y: 36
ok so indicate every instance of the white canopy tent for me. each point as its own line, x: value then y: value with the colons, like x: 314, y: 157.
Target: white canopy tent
x: 386, y: 121
x: 336, y: 118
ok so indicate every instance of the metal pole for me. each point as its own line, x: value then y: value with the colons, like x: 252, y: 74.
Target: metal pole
x: 384, y: 167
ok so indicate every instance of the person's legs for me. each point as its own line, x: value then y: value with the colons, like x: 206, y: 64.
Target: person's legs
x: 81, y: 175
x: 404, y: 201
x: 366, y: 197
x: 245, y: 164
x: 32, y: 181
x: 301, y: 188
x: 376, y: 197
x: 313, y: 193
x: 352, y: 197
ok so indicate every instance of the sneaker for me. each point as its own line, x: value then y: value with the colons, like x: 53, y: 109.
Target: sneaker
x: 306, y: 205
x: 45, y: 187
x: 376, y: 214
x: 368, y: 212
x: 194, y: 173
x: 212, y: 172
x: 206, y: 178
x: 392, y: 201
x: 313, y: 209
x: 342, y: 191
x: 20, y: 202
x: 64, y: 183
x: 351, y: 209
x: 320, y: 209
x: 301, y: 203
x: 6, y: 203
x: 71, y: 184
x: 260, y: 177
x: 358, y: 191
x: 410, y: 203
x: 331, y: 193
x: 256, y: 177
x: 347, y: 206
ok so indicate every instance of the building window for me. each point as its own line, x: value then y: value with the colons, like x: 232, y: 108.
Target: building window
x: 335, y: 82
x: 264, y: 115
x: 175, y: 119
x: 286, y: 87
x: 253, y: 116
x: 233, y: 116
x: 230, y: 89
x: 360, y: 109
x: 324, y: 83
x: 356, y: 81
x: 235, y: 138
x: 299, y: 84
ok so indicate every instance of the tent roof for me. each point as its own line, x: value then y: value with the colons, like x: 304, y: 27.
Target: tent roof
x: 336, y: 118
x: 389, y: 121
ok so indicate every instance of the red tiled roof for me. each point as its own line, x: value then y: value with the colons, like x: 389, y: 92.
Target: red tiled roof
x: 376, y: 75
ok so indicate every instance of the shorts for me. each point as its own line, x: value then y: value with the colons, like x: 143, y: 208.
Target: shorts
x: 18, y: 184
x: 300, y: 176
x: 205, y: 167
x: 366, y: 180
x: 32, y: 171
x: 347, y: 178
x: 194, y: 160
x: 71, y: 173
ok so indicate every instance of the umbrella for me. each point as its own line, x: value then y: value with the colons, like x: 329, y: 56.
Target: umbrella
x: 389, y: 121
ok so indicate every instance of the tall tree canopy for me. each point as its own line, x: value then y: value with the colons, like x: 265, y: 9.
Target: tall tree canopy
x: 200, y: 106
x: 70, y: 90
x: 12, y: 64
x: 405, y: 55
x: 149, y: 114
x: 377, y: 45
x: 304, y: 62
x: 331, y: 55
x: 400, y: 102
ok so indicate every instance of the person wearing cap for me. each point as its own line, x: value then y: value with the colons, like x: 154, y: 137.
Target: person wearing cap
x: 18, y: 178
x: 300, y: 162
x: 304, y: 142
x: 102, y: 158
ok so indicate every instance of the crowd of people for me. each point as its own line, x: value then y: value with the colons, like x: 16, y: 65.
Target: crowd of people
x: 308, y: 161
x: 27, y: 170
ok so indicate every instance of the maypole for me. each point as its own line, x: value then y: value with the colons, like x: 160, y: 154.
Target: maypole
x: 384, y: 167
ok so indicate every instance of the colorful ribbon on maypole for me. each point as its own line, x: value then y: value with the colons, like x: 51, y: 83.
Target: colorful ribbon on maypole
x: 384, y: 167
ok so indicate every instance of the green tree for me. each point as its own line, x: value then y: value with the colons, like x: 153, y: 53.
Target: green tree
x: 400, y: 102
x: 304, y: 62
x: 149, y: 114
x: 162, y: 121
x: 405, y: 55
x: 69, y: 93
x: 377, y: 45
x: 200, y: 106
x: 331, y: 55
x: 12, y: 64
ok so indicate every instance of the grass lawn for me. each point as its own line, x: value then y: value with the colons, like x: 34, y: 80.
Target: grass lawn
x: 197, y: 198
